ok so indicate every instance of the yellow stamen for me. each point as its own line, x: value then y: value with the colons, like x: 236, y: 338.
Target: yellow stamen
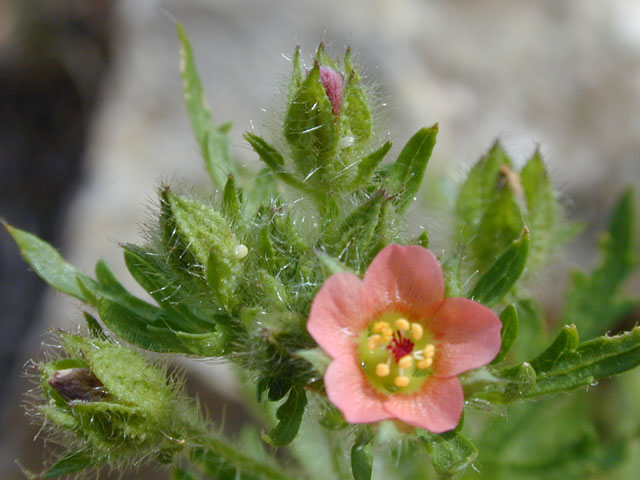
x: 380, y: 326
x: 402, y: 324
x: 382, y: 370
x: 374, y: 342
x: 429, y: 350
x: 401, y: 381
x: 387, y: 334
x: 416, y: 331
x: 424, y: 363
x: 405, y: 362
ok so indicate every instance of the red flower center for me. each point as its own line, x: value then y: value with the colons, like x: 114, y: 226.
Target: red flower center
x: 400, y: 346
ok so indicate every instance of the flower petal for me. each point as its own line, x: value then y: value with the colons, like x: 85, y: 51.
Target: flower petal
x: 349, y: 390
x: 405, y: 278
x: 336, y: 314
x: 436, y: 407
x: 468, y: 336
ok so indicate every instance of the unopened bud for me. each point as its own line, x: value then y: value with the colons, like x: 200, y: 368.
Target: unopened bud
x: 77, y: 384
x: 333, y: 83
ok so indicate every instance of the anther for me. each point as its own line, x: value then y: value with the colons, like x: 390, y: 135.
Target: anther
x: 429, y: 350
x: 387, y: 334
x: 405, y: 362
x: 380, y: 326
x: 416, y: 331
x: 401, y: 381
x: 382, y: 370
x: 424, y: 363
x: 374, y: 342
x: 402, y: 324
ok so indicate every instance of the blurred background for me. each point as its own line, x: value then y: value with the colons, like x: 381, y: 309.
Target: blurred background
x: 92, y: 120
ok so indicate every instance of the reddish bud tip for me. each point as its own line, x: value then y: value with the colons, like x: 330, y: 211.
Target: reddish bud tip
x: 333, y: 84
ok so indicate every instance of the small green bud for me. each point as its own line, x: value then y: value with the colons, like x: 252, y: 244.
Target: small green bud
x: 117, y: 405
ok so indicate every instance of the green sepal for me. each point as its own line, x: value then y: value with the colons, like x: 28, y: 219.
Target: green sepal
x: 451, y: 452
x: 422, y: 239
x: 193, y: 227
x: 331, y: 265
x: 297, y: 74
x: 452, y: 271
x: 316, y: 357
x: 368, y: 165
x: 496, y: 282
x: 289, y: 415
x: 221, y: 272
x: 405, y: 175
x: 310, y: 130
x: 594, y: 301
x: 362, y: 455
x: 50, y: 266
x: 509, y: 332
x: 231, y: 205
x: 325, y: 60
x: 214, y: 142
x: 95, y: 329
x: 355, y: 122
x: 71, y: 463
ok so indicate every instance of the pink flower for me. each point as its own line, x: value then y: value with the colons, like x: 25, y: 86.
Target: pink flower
x: 333, y: 84
x: 397, y: 344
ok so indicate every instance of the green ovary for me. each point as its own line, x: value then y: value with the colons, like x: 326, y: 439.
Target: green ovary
x: 396, y: 354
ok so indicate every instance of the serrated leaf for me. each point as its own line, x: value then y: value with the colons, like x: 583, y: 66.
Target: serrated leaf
x: 593, y: 301
x: 71, y: 463
x: 50, y: 266
x: 590, y: 362
x: 289, y: 415
x: 405, y: 176
x: 566, y: 341
x: 214, y: 142
x: 509, y: 332
x: 496, y: 282
x: 450, y: 452
x: 362, y: 455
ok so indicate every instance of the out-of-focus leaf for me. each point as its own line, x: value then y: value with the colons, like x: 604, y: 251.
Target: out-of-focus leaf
x: 594, y: 301
x: 362, y: 456
x: 289, y: 416
x: 70, y: 463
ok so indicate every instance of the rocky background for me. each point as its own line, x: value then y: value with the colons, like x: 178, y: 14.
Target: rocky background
x: 92, y: 120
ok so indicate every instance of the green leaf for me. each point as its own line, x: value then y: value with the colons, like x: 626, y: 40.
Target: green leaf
x: 405, y: 176
x: 95, y: 329
x: 157, y: 278
x: 479, y: 191
x: 509, y: 332
x: 504, y: 273
x: 590, y: 362
x: 368, y: 165
x: 542, y: 209
x: 231, y: 206
x: 567, y: 340
x: 450, y: 452
x: 49, y: 265
x: 362, y: 455
x: 214, y: 142
x: 515, y: 383
x: 594, y: 302
x: 274, y: 160
x: 532, y: 337
x: 221, y: 273
x: 71, y: 463
x: 289, y: 415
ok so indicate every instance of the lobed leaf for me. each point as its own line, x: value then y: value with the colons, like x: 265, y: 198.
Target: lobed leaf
x: 289, y: 415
